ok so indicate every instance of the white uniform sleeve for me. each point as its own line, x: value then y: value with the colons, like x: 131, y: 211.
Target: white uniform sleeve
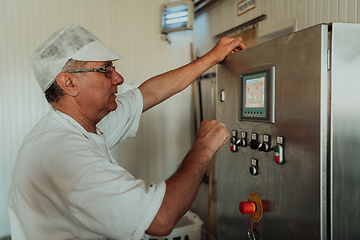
x: 124, y: 121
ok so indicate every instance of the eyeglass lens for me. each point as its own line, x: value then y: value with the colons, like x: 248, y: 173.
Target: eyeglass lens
x: 109, y: 71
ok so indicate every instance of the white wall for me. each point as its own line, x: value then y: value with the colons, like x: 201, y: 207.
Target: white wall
x: 129, y: 27
x: 281, y: 14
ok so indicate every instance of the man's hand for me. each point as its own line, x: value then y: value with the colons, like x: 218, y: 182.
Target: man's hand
x: 225, y: 47
x: 211, y: 135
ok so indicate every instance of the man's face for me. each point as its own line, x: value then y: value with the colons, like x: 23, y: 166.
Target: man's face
x: 97, y: 92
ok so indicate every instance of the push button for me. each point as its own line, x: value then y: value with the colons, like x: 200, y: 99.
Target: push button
x: 252, y: 206
x: 254, y: 143
x: 279, y: 150
x: 247, y: 207
x: 254, y: 167
x: 233, y: 147
x: 253, y: 170
x: 279, y: 154
x: 222, y: 96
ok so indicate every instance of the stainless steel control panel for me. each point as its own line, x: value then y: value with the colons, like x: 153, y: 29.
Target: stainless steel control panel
x: 300, y: 162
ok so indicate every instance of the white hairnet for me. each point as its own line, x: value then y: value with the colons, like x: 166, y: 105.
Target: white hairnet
x: 74, y: 42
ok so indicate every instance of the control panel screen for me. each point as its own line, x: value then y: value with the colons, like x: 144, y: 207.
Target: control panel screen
x: 255, y: 93
x: 255, y: 96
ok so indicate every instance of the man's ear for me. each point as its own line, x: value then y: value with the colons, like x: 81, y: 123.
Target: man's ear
x: 66, y: 82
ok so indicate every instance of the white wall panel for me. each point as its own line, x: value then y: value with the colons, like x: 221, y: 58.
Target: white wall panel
x: 129, y: 27
x: 266, y: 8
x: 325, y: 10
x: 311, y: 13
x: 352, y: 9
x: 319, y: 12
x: 300, y: 12
x: 343, y: 10
x: 292, y: 10
x: 282, y: 15
x: 230, y: 12
x: 334, y: 10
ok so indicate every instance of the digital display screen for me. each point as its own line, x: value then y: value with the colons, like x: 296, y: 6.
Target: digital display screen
x: 255, y: 93
x: 254, y: 97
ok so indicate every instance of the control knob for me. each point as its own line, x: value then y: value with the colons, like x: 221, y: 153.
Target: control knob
x: 253, y: 170
x: 241, y: 142
x: 264, y: 147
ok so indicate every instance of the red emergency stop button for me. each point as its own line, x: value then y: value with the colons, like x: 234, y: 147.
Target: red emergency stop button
x: 253, y: 206
x: 247, y: 207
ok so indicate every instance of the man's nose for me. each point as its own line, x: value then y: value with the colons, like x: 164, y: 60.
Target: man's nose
x: 117, y: 79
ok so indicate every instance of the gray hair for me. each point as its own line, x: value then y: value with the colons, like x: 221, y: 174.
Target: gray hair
x: 55, y: 92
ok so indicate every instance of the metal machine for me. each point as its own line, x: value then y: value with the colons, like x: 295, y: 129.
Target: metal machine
x: 292, y: 106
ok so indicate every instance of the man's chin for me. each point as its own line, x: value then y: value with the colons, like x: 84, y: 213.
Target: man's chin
x: 113, y: 106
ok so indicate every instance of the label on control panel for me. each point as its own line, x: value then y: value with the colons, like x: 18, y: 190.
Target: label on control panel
x: 266, y: 138
x: 279, y: 140
x: 254, y: 162
x: 253, y: 136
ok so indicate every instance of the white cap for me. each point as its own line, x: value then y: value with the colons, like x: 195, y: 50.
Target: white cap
x: 74, y: 42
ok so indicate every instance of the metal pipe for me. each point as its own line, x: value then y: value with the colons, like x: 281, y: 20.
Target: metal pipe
x: 206, y: 5
x: 244, y: 25
x: 199, y: 2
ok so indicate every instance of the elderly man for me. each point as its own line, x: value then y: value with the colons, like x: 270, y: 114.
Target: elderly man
x: 65, y: 183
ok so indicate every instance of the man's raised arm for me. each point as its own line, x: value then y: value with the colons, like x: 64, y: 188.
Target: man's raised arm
x: 161, y: 87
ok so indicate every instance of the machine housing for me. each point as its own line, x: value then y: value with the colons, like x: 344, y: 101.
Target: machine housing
x: 314, y: 193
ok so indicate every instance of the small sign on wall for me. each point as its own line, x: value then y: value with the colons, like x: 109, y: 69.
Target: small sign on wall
x: 245, y: 6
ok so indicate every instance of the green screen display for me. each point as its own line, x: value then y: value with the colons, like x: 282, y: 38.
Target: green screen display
x: 254, y: 96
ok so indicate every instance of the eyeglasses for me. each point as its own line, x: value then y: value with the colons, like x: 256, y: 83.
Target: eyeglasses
x: 108, y: 70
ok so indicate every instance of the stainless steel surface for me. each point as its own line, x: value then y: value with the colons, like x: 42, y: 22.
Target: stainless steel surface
x: 291, y: 191
x: 325, y: 95
x: 345, y: 134
x: 314, y: 194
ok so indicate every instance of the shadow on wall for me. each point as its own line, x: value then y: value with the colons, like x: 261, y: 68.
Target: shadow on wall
x: 6, y: 238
